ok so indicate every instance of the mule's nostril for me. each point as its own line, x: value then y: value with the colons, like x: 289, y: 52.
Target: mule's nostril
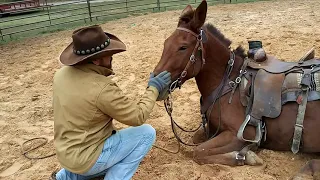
x: 156, y: 72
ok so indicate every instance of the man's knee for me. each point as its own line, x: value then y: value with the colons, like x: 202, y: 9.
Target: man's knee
x: 64, y: 174
x: 149, y: 132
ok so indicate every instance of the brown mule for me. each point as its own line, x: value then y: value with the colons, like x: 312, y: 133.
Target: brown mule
x: 263, y: 113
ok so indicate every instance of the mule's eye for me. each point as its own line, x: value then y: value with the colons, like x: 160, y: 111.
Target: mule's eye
x: 182, y: 48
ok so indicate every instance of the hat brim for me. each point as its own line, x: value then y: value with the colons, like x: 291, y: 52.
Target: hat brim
x: 68, y: 57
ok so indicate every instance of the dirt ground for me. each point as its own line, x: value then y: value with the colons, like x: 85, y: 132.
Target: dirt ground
x: 288, y: 29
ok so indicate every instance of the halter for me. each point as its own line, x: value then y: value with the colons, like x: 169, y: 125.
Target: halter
x: 201, y: 38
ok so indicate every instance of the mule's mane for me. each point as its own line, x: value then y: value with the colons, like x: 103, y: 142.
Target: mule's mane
x: 216, y: 33
x: 227, y: 42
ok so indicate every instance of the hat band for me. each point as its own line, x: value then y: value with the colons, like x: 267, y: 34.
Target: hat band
x: 92, y: 50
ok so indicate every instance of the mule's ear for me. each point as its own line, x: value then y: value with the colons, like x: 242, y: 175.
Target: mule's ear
x: 187, y: 14
x: 200, y: 15
x: 186, y: 10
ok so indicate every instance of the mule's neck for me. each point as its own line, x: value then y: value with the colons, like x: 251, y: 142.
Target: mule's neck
x: 212, y: 73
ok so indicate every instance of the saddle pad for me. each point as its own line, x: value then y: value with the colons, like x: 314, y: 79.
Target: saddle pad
x: 291, y: 87
x: 267, y: 94
x: 293, y: 80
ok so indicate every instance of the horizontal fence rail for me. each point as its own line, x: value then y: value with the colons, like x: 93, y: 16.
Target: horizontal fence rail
x: 49, y: 16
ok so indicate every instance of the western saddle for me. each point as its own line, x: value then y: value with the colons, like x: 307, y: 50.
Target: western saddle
x: 268, y: 83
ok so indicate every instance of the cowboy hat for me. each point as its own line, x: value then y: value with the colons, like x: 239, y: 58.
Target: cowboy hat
x: 91, y: 43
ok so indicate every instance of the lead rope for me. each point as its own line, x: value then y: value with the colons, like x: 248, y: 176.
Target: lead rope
x: 25, y: 152
x: 167, y: 150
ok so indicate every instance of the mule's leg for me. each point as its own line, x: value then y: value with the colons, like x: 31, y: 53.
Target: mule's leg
x: 199, y: 136
x: 222, y: 150
x: 230, y: 159
x: 310, y: 171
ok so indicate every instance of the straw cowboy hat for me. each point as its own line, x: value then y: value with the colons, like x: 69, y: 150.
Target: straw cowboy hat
x: 91, y: 43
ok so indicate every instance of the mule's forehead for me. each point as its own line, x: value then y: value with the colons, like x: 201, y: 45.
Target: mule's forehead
x: 180, y: 37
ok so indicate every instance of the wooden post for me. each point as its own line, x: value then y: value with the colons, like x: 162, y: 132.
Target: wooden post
x: 89, y: 10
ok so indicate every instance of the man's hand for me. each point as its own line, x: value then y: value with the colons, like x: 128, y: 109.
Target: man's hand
x: 161, y: 81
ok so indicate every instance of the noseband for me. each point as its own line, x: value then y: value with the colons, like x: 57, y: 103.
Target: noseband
x: 201, y: 38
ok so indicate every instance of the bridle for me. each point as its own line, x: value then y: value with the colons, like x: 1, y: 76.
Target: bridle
x: 201, y: 38
x: 226, y: 85
x: 220, y: 91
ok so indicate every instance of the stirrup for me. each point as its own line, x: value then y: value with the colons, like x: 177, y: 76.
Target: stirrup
x: 258, y: 126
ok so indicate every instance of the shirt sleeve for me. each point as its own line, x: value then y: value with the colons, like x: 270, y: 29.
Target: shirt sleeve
x: 118, y: 106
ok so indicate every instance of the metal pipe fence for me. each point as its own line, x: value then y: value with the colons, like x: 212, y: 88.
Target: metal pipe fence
x: 54, y: 16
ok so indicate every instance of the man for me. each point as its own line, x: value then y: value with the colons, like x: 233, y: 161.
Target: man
x: 86, y: 100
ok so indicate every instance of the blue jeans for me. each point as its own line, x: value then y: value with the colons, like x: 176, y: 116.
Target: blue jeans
x: 121, y: 155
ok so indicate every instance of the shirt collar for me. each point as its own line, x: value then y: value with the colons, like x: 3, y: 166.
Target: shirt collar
x: 95, y: 68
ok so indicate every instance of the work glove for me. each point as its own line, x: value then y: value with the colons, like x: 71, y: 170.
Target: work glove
x: 161, y: 81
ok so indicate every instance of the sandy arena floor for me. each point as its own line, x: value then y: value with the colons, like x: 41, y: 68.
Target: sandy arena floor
x: 288, y: 29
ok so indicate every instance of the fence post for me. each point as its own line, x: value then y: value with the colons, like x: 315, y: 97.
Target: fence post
x: 158, y: 5
x: 127, y: 5
x: 89, y: 10
x: 48, y: 12
x: 1, y: 34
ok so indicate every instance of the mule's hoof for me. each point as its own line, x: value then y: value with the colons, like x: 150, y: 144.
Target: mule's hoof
x: 198, y: 160
x: 253, y: 159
